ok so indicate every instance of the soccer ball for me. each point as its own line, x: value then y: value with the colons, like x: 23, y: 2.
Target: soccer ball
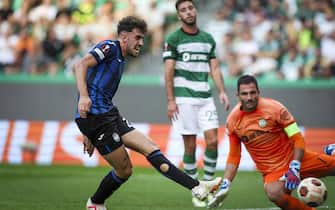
x: 312, y: 192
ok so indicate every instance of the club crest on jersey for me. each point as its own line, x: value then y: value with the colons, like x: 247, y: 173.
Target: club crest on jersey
x: 262, y: 123
x: 116, y: 137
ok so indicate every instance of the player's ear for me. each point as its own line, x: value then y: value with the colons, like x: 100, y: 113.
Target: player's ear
x: 123, y: 36
x: 178, y: 16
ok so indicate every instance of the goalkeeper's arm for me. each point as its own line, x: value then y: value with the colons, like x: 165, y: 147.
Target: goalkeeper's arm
x: 292, y: 176
x: 233, y: 162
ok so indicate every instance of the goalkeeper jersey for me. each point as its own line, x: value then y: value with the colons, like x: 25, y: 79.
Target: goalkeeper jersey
x: 192, y: 53
x: 262, y: 133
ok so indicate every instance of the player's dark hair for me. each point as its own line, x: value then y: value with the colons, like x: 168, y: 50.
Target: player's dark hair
x: 181, y: 1
x: 129, y: 23
x: 246, y: 79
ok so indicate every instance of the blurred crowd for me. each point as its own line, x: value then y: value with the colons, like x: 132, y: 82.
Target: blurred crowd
x: 48, y: 36
x: 282, y: 39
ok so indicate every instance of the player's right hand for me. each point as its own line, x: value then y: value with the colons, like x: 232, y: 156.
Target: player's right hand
x: 172, y: 110
x: 84, y: 106
x: 220, y: 195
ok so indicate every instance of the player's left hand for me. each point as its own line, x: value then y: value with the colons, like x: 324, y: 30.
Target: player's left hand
x: 224, y: 100
x: 88, y: 146
x: 292, y: 176
x: 172, y: 110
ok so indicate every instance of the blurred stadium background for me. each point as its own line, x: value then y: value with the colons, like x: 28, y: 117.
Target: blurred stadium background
x: 288, y: 44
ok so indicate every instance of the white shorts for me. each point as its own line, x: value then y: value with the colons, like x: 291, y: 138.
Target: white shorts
x: 195, y: 118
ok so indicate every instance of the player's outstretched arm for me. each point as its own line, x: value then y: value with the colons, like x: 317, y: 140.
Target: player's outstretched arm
x: 292, y: 176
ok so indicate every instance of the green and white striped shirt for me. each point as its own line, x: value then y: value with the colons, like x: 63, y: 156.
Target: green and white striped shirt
x: 192, y: 53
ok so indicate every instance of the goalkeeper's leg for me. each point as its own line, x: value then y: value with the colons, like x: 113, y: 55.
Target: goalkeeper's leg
x: 276, y: 193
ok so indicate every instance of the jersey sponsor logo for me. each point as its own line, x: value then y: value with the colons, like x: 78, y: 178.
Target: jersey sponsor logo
x: 116, y: 137
x: 252, y: 136
x: 244, y: 139
x: 262, y: 123
x: 194, y: 57
x: 186, y: 56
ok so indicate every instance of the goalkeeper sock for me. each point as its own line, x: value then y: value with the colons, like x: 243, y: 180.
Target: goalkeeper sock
x: 190, y: 166
x: 165, y: 167
x: 288, y: 202
x: 210, y: 164
x: 108, y: 185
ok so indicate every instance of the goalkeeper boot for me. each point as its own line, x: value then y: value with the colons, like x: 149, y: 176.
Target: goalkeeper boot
x: 92, y: 206
x: 330, y: 149
x: 205, y: 187
x: 217, y: 199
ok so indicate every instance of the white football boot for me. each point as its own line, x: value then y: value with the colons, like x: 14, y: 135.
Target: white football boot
x: 93, y: 206
x: 202, y: 190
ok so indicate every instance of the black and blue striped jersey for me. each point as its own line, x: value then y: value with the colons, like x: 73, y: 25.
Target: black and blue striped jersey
x: 104, y: 78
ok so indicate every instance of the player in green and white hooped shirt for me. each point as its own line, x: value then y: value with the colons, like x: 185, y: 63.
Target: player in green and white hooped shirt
x: 189, y: 55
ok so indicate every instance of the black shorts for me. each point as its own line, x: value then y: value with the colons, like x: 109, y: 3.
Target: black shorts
x: 105, y: 130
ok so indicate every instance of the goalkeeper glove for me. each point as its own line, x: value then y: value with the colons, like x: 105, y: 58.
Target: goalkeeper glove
x: 292, y: 176
x: 220, y: 195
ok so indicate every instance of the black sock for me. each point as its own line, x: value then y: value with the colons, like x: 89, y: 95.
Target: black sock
x: 165, y: 167
x: 108, y: 185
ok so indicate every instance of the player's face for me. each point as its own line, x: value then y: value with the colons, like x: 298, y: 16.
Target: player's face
x: 187, y: 13
x: 135, y: 40
x: 248, y: 95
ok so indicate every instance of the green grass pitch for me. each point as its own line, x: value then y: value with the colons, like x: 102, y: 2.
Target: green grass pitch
x: 29, y: 187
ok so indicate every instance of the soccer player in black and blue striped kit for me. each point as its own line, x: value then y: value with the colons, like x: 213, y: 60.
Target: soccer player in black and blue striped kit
x: 98, y: 76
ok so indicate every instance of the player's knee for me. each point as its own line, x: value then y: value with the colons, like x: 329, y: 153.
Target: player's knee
x: 273, y: 194
x: 124, y: 172
x: 211, y: 143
